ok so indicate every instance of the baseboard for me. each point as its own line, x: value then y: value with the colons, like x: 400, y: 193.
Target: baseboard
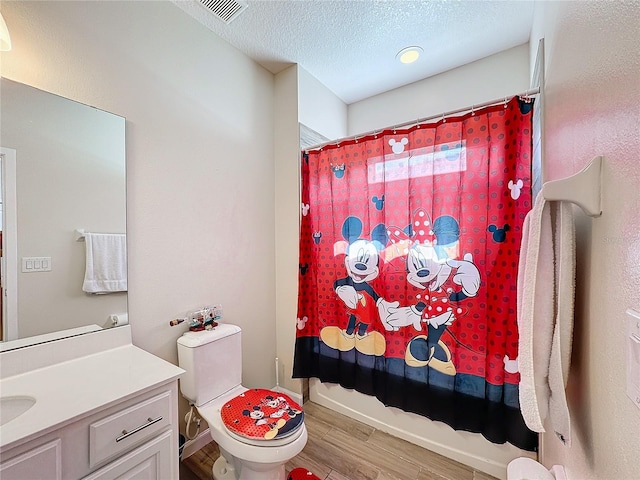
x: 192, y: 446
x: 296, y: 397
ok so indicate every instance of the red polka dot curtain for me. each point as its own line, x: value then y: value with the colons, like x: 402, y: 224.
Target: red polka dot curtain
x: 408, y: 265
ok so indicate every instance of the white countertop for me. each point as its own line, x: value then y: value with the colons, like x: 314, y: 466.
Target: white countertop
x: 74, y: 388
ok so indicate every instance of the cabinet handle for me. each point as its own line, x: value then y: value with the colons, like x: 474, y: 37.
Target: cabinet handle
x: 150, y: 421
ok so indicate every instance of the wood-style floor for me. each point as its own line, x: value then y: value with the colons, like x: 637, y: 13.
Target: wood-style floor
x: 340, y: 448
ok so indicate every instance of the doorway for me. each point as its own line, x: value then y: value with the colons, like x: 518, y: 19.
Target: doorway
x: 9, y: 246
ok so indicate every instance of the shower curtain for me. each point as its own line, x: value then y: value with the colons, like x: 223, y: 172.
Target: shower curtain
x: 409, y: 248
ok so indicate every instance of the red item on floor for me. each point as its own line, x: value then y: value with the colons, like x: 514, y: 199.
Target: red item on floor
x: 302, y: 474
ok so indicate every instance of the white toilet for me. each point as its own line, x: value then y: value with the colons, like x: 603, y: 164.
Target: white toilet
x: 257, y: 430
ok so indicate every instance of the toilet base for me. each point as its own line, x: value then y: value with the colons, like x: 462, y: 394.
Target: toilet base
x: 223, y: 470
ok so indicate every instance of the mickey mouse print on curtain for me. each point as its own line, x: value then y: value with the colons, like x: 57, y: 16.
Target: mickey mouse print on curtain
x: 408, y: 265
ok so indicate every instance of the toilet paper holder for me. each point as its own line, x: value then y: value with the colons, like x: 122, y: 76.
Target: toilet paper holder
x: 118, y: 319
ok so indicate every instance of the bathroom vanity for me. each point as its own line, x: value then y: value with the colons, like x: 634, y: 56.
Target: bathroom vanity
x: 93, y: 406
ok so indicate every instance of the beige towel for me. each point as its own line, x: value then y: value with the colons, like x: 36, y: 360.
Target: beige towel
x: 565, y: 259
x: 546, y: 279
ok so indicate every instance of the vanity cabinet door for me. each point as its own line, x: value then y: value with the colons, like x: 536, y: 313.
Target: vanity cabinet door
x: 151, y: 461
x: 43, y: 462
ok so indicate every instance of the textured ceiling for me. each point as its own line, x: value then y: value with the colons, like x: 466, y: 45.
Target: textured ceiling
x: 350, y: 46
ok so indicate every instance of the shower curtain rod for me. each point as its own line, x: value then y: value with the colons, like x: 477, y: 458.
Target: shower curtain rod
x: 527, y: 93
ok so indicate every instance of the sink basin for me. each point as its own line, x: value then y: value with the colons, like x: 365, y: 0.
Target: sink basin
x: 12, y: 407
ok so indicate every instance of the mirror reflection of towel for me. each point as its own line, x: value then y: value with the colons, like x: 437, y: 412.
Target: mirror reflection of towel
x: 106, y: 263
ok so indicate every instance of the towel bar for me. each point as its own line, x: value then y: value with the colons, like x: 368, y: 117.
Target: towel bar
x: 582, y: 189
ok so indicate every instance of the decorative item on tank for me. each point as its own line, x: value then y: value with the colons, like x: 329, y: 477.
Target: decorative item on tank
x: 205, y: 318
x: 216, y: 312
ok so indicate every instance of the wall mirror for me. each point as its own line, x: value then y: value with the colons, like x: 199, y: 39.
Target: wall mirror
x: 63, y: 169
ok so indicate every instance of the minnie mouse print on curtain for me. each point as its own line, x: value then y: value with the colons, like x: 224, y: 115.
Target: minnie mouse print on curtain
x: 409, y: 249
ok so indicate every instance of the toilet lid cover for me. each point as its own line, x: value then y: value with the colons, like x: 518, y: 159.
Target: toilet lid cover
x: 260, y: 414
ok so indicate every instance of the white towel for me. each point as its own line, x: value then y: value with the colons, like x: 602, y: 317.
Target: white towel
x: 546, y: 279
x: 106, y: 263
x: 565, y: 242
x: 535, y: 313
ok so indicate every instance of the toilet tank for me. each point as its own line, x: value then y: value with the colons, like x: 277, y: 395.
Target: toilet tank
x: 213, y: 362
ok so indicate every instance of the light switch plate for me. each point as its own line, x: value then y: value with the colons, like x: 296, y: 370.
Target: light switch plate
x: 36, y: 264
x: 633, y: 356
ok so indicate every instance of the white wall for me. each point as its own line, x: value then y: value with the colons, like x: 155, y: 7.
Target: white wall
x: 319, y: 108
x: 497, y: 76
x: 287, y: 154
x: 300, y: 98
x: 500, y: 75
x: 200, y: 161
x: 593, y: 108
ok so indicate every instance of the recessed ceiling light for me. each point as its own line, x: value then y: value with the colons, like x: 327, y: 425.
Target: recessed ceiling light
x: 409, y: 54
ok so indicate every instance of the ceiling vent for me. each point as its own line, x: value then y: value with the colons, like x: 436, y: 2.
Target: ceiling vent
x: 225, y: 10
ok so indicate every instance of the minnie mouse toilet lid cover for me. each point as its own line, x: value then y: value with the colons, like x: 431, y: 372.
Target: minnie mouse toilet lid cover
x: 260, y: 414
